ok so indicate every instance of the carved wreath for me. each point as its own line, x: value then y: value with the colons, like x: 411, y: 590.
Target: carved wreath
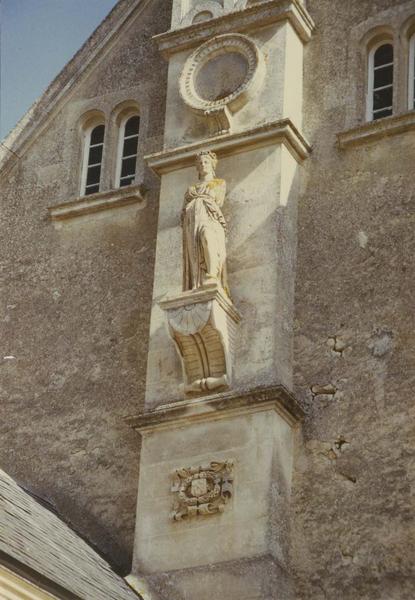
x: 202, y: 490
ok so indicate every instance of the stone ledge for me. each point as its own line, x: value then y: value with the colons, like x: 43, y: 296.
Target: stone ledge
x: 258, y: 15
x: 375, y: 130
x: 218, y: 406
x: 99, y: 202
x: 282, y: 131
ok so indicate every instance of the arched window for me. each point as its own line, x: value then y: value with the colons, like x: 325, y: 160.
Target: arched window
x: 411, y: 82
x: 380, y: 85
x: 93, y: 152
x: 127, y: 150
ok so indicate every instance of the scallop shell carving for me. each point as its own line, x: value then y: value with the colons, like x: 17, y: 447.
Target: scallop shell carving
x: 190, y: 319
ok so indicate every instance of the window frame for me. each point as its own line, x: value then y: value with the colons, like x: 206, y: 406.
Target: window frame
x: 87, y: 134
x: 371, y: 78
x: 411, y: 73
x: 121, y: 138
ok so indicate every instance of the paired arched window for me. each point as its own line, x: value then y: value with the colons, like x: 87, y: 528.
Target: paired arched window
x: 127, y: 151
x: 380, y: 85
x: 128, y: 124
x: 93, y: 154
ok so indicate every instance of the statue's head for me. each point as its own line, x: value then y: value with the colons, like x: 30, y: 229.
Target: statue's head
x: 206, y: 162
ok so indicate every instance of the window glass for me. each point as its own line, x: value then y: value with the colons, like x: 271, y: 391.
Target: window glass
x: 382, y: 82
x: 95, y: 155
x: 132, y: 126
x: 97, y: 135
x: 384, y: 55
x: 382, y: 99
x: 383, y: 76
x: 130, y: 146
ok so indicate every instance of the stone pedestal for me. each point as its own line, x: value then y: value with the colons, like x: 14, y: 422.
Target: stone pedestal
x: 202, y: 324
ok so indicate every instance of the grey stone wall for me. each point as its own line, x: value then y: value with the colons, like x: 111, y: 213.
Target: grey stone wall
x: 353, y: 508
x: 75, y: 307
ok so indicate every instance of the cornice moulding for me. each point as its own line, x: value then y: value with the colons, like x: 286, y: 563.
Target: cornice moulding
x: 282, y: 131
x: 375, y: 130
x: 201, y: 295
x: 219, y: 406
x: 253, y: 17
x: 97, y: 203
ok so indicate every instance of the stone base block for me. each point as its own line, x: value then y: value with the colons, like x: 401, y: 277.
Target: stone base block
x: 214, y: 492
x: 261, y: 578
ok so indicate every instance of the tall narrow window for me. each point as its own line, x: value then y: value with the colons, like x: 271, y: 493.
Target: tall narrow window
x: 411, y: 82
x: 93, y: 160
x: 127, y: 160
x: 380, y: 98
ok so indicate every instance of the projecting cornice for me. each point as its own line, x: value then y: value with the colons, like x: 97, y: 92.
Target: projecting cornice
x: 219, y: 406
x: 258, y: 15
x: 282, y: 131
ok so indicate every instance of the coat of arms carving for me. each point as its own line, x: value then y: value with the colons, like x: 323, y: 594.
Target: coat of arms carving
x: 203, y: 490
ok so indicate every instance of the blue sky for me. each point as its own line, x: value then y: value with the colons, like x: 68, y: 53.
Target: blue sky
x: 38, y: 37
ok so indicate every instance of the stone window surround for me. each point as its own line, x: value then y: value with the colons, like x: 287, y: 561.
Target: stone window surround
x: 400, y: 31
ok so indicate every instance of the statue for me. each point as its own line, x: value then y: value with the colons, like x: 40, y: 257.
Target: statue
x: 203, y: 324
x: 204, y: 228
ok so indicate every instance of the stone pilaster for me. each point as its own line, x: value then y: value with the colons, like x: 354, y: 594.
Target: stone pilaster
x: 219, y: 417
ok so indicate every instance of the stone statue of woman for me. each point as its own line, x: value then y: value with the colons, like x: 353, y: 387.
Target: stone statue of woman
x: 204, y: 228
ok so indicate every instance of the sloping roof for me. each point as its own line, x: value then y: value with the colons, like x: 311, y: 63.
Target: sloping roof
x: 37, y: 539
x: 14, y: 144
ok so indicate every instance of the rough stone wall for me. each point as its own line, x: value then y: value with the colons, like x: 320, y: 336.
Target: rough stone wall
x: 353, y: 518
x: 75, y: 308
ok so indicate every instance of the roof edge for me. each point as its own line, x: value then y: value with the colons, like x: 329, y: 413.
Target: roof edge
x: 37, y: 579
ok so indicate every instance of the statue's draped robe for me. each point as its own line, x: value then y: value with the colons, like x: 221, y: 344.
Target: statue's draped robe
x: 204, y: 229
